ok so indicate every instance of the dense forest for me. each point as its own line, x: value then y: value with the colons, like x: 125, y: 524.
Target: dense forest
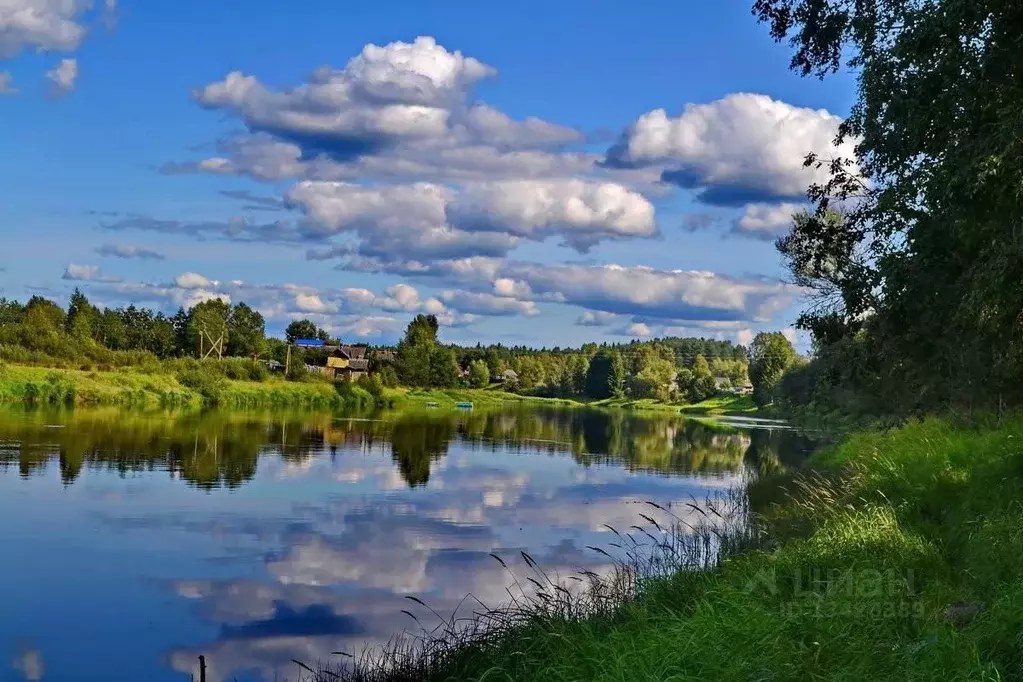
x: 83, y: 336
x: 912, y: 249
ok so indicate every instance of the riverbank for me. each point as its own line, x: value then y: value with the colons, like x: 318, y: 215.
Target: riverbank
x: 897, y: 558
x: 719, y: 405
x: 194, y: 388
x: 128, y: 387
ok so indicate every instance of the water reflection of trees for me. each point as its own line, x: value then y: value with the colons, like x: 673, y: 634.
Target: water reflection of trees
x: 222, y: 449
x: 208, y: 450
x: 416, y: 443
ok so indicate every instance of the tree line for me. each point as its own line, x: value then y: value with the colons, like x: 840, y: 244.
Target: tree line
x: 668, y: 369
x: 42, y: 325
x: 681, y: 369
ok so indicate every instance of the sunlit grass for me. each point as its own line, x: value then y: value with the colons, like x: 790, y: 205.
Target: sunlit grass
x: 40, y: 385
x: 477, y: 396
x: 495, y: 395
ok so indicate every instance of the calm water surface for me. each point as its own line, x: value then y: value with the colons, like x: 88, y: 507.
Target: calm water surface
x: 133, y: 542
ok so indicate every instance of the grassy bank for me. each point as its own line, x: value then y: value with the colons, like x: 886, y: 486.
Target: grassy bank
x: 719, y: 405
x: 186, y: 383
x: 132, y: 387
x: 479, y: 397
x: 898, y: 558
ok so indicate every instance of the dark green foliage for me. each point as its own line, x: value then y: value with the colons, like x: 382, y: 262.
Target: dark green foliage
x: 770, y: 355
x: 275, y: 349
x: 918, y: 301
x: 83, y: 318
x: 111, y: 330
x: 301, y: 329
x: 650, y: 367
x: 598, y: 376
x: 205, y: 379
x: 208, y: 327
x: 11, y: 312
x: 416, y: 443
x: 697, y: 384
x: 479, y: 374
x: 443, y: 368
x: 616, y: 375
x: 355, y: 395
x: 388, y: 375
x: 86, y: 336
x: 180, y: 322
x: 246, y: 333
x: 422, y: 361
x: 372, y: 384
x: 42, y: 334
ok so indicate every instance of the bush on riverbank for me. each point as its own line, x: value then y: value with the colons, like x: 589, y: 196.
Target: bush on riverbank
x: 898, y: 559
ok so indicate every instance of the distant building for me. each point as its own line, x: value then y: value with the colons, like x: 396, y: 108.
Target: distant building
x: 510, y: 376
x: 721, y: 383
x: 743, y: 389
x: 347, y: 362
x: 384, y: 355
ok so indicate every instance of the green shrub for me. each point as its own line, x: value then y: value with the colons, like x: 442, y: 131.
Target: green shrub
x: 372, y: 385
x: 204, y: 380
x: 353, y: 395
x: 258, y: 371
x: 234, y: 369
x: 297, y: 372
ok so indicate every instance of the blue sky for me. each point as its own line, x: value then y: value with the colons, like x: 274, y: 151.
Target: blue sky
x: 531, y: 173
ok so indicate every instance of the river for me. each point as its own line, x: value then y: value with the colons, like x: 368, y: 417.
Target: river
x: 133, y: 542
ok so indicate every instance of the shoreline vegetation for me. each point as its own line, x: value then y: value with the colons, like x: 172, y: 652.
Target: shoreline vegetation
x: 216, y: 353
x: 163, y: 387
x: 893, y: 555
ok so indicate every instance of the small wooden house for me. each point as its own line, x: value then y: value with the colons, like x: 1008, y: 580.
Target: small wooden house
x: 348, y: 362
x: 385, y: 355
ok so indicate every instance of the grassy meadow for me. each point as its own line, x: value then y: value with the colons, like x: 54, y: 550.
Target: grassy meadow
x: 234, y: 383
x: 718, y: 405
x: 189, y: 387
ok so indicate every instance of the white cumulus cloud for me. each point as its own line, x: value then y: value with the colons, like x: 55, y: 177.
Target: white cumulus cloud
x: 644, y: 291
x: 47, y: 25
x: 63, y: 76
x: 397, y: 93
x: 737, y: 149
x: 766, y: 221
x: 426, y: 220
x: 193, y: 280
x: 85, y: 273
x: 581, y: 212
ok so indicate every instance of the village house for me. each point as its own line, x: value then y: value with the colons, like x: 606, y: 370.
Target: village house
x: 347, y: 362
x: 385, y: 355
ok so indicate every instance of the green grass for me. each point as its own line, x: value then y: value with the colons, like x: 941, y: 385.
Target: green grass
x: 187, y: 383
x: 857, y: 563
x: 723, y: 404
x: 131, y: 387
x: 479, y: 397
x: 495, y: 395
